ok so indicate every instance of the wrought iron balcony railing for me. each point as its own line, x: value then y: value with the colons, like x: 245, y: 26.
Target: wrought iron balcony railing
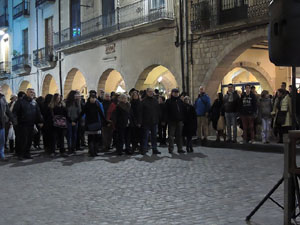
x: 21, y: 63
x: 40, y: 2
x: 209, y: 14
x: 125, y: 17
x: 44, y: 57
x: 21, y: 9
x: 4, y: 67
x: 3, y: 21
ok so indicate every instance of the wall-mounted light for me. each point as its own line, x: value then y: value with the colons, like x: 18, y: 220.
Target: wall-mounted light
x: 159, y: 79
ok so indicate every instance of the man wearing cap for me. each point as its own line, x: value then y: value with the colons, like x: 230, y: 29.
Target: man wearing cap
x: 174, y: 111
x: 202, y: 106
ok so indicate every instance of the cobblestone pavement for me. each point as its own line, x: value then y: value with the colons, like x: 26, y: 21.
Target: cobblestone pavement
x: 208, y: 187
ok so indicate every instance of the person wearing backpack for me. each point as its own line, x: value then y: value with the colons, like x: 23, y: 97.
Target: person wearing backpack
x: 202, y: 106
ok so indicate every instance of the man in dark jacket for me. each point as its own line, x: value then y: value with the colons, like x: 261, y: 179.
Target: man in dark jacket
x: 28, y: 114
x: 247, y: 111
x: 149, y: 118
x: 162, y: 126
x: 5, y: 113
x: 231, y: 106
x: 174, y: 111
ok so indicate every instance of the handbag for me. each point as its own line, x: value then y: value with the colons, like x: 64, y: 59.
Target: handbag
x: 59, y: 121
x: 93, y: 126
x: 221, y: 123
x: 280, y: 118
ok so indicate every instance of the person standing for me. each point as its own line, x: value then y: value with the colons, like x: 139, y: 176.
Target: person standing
x: 162, y: 126
x: 106, y: 130
x: 135, y: 127
x: 248, y: 111
x: 202, y: 106
x: 47, y: 129
x: 4, y: 113
x: 265, y: 109
x: 231, y: 106
x: 283, y: 113
x: 28, y: 114
x: 149, y: 120
x: 59, y: 124
x: 94, y: 118
x: 190, y: 123
x: 217, y: 117
x: 73, y: 113
x: 174, y: 115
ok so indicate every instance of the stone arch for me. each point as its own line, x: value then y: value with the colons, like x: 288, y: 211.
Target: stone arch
x: 24, y: 86
x: 75, y: 80
x: 110, y: 80
x: 149, y: 78
x: 221, y: 65
x: 262, y: 76
x: 49, y: 85
x: 6, y: 91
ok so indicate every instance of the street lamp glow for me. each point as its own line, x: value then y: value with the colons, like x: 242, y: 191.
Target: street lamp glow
x: 159, y: 79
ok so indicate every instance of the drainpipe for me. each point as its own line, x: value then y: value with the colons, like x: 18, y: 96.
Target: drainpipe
x: 192, y: 63
x: 181, y: 44
x: 187, y: 47
x: 37, y: 47
x: 59, y: 54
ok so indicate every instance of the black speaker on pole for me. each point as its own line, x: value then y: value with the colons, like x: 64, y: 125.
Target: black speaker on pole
x: 284, y: 32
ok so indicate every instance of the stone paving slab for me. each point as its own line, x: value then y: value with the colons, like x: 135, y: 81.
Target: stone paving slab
x: 209, y: 187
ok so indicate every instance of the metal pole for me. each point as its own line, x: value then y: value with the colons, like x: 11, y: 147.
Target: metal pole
x: 294, y: 96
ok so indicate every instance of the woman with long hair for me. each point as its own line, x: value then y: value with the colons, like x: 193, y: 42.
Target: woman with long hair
x: 59, y: 114
x: 73, y: 113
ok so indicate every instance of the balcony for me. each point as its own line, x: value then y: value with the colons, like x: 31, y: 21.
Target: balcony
x: 4, y: 70
x: 21, y: 65
x: 44, y: 58
x: 21, y: 9
x: 3, y: 21
x: 124, y: 22
x: 213, y: 16
x: 41, y: 2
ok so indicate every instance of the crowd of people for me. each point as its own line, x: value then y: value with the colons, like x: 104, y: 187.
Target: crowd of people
x: 137, y: 121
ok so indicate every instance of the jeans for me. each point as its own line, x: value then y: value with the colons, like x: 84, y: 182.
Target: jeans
x: 266, y: 127
x: 123, y: 138
x: 2, y: 143
x: 71, y: 136
x: 153, y: 130
x: 93, y: 141
x: 175, y: 130
x: 231, y: 121
x: 58, y: 140
x: 162, y: 133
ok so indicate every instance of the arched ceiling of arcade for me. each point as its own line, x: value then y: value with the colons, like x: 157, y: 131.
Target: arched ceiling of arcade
x: 75, y: 80
x: 49, y: 85
x: 24, y: 86
x: 6, y: 90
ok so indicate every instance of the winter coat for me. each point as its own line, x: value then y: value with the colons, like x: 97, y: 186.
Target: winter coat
x: 106, y: 105
x: 122, y: 116
x: 174, y: 109
x: 248, y: 105
x: 93, y: 113
x: 135, y: 112
x: 216, y: 111
x: 150, y: 112
x: 189, y: 121
x: 163, y: 113
x: 285, y: 105
x: 265, y: 108
x: 47, y: 116
x: 202, y: 104
x: 27, y: 112
x: 73, y: 113
x: 5, y: 112
x: 231, y: 102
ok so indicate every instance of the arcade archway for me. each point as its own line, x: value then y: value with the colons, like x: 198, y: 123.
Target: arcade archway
x: 75, y: 81
x: 6, y: 90
x: 49, y: 86
x: 24, y: 86
x: 157, y: 77
x: 111, y: 80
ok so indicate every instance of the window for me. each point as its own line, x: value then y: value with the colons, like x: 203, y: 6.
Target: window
x: 156, y: 4
x: 108, y: 13
x: 49, y: 32
x: 25, y: 41
x: 75, y: 18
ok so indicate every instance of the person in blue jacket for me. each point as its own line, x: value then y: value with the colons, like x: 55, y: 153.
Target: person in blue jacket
x: 202, y: 106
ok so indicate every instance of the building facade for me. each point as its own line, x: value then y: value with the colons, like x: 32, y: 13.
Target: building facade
x: 230, y: 45
x: 62, y: 45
